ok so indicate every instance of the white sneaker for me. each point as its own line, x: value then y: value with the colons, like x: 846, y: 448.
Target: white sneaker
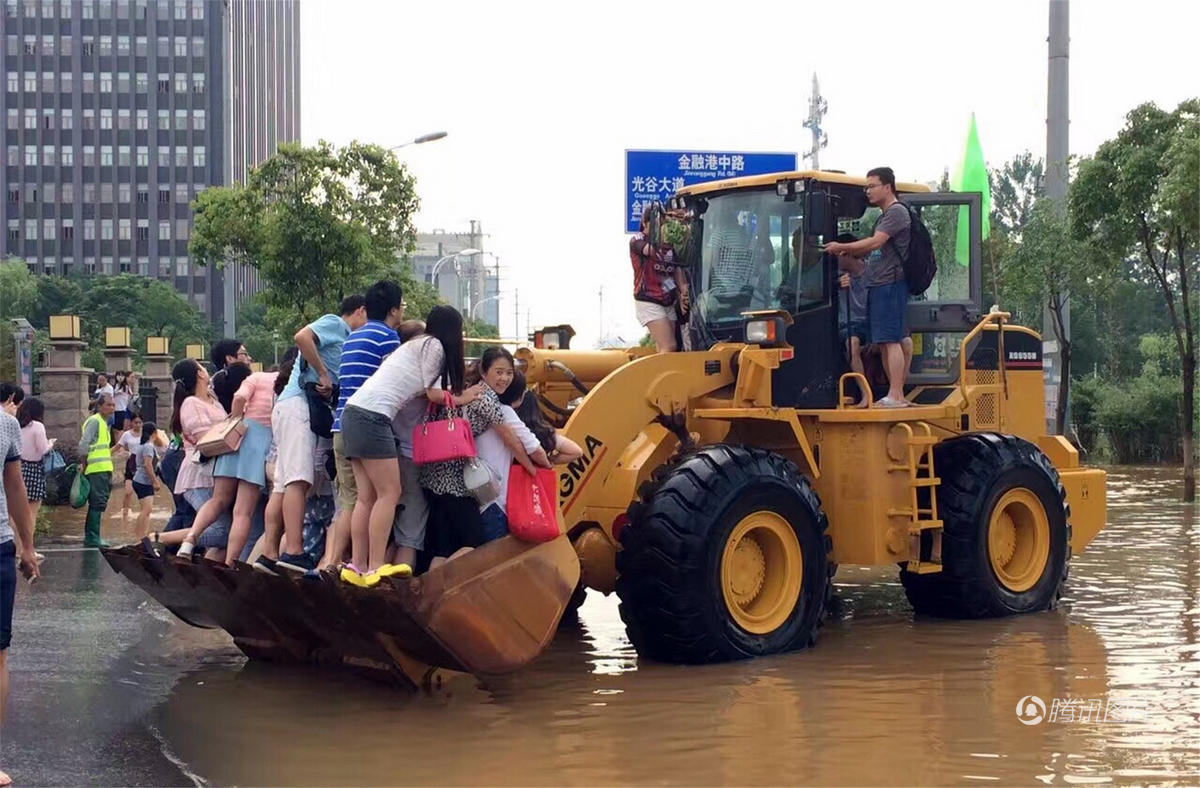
x: 185, y: 550
x: 888, y: 402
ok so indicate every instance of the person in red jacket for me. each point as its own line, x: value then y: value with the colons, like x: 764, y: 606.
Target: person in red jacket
x: 658, y: 284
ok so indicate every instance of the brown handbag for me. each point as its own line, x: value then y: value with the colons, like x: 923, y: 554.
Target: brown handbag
x: 224, y: 437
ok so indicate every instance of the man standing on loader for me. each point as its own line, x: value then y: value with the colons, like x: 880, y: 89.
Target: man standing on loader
x: 887, y: 288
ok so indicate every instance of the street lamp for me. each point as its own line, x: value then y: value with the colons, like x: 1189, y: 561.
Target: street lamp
x: 437, y: 135
x: 433, y: 274
x: 481, y: 302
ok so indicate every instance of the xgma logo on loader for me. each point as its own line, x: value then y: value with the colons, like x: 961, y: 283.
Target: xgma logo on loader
x: 573, y: 479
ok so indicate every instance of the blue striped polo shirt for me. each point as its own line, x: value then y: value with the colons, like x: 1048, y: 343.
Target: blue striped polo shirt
x: 363, y: 352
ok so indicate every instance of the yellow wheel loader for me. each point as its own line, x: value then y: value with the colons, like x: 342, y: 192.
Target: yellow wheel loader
x: 720, y: 487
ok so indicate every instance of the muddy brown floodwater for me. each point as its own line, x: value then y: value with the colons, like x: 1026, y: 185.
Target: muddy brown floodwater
x: 882, y: 699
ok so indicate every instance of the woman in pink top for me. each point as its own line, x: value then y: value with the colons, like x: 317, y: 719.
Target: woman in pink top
x: 196, y: 410
x: 240, y: 476
x: 34, y: 447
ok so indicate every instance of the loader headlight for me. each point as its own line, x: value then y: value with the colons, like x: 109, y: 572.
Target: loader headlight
x: 766, y: 331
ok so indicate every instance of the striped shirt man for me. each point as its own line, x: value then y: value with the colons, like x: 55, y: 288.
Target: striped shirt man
x: 364, y: 350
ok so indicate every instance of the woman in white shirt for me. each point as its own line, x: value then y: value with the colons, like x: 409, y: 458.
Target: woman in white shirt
x: 499, y: 456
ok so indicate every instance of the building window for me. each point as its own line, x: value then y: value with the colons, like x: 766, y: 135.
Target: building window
x: 31, y: 118
x: 66, y: 80
x: 106, y: 229
x: 163, y: 11
x: 106, y: 118
x: 198, y: 119
x: 89, y: 46
x: 125, y: 229
x: 122, y: 9
x: 10, y: 43
x: 181, y: 82
x: 124, y: 193
x: 49, y: 158
x: 13, y: 82
x: 89, y: 119
x: 48, y: 192
x: 181, y: 266
x: 123, y: 82
x: 10, y: 9
x: 106, y: 192
x: 14, y: 194
x: 164, y: 46
x: 181, y: 156
x: 47, y: 119
x: 181, y: 119
x: 143, y: 264
x: 106, y: 158
x: 89, y: 193
x: 181, y: 48
x: 31, y: 192
x: 143, y: 82
x: 181, y: 193
x: 31, y: 82
x: 143, y: 156
x: 105, y: 46
x: 68, y: 264
x: 198, y: 156
x: 89, y: 265
x: 123, y: 45
x: 197, y: 46
x: 164, y: 195
x: 165, y: 267
x: 47, y: 81
x: 68, y: 230
x: 198, y: 82
x: 64, y: 45
x: 31, y: 45
x: 47, y: 45
x: 48, y: 227
x: 31, y: 229
x: 68, y: 156
x: 47, y: 9
x: 164, y: 86
x: 143, y: 193
x: 164, y: 156
x: 164, y: 120
x: 67, y: 121
x: 139, y: 46
x: 143, y: 230
x: 106, y: 9
x: 31, y: 156
x: 123, y: 159
x: 182, y: 230
x: 197, y: 9
x: 139, y: 9
x: 14, y: 229
x: 164, y: 231
x: 67, y: 193
x: 106, y: 265
x: 123, y: 119
x: 180, y: 10
x: 106, y: 82
x: 142, y: 119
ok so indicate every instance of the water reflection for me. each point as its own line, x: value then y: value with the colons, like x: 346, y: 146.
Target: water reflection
x: 882, y: 699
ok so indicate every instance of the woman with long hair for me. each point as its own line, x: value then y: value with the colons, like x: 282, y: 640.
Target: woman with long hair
x: 34, y: 448
x: 239, y: 477
x: 428, y: 366
x: 122, y: 395
x: 194, y: 411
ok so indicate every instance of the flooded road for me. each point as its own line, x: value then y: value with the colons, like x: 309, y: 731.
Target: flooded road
x: 108, y: 687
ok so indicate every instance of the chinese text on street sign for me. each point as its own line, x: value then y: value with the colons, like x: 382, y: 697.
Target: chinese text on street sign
x: 657, y: 174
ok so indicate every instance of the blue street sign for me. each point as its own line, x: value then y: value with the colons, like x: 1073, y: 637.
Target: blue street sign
x: 657, y: 174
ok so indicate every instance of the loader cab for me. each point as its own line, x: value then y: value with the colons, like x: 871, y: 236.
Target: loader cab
x: 760, y: 249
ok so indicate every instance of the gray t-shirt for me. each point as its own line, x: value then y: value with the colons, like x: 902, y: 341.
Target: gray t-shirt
x: 10, y: 448
x: 885, y: 266
x: 143, y: 451
x: 856, y: 295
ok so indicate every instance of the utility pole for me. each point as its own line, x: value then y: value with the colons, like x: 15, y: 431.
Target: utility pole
x: 817, y: 107
x: 1057, y: 173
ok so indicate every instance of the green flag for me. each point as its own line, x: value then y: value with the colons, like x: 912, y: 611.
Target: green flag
x: 971, y: 176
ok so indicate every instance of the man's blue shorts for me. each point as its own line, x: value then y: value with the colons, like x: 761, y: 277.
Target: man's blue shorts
x: 8, y: 590
x: 886, y: 305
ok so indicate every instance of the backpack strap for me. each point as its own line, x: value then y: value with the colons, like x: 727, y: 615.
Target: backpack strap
x: 891, y: 240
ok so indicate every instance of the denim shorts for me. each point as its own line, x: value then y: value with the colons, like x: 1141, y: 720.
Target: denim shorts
x: 495, y: 523
x: 886, y: 305
x: 8, y: 590
x: 143, y: 490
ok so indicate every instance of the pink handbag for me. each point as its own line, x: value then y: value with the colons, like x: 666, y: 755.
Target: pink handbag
x: 442, y: 439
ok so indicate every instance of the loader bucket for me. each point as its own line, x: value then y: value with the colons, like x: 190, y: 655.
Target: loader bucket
x: 489, y: 612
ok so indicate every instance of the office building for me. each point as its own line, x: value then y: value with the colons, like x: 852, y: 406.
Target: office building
x: 119, y: 112
x: 468, y: 282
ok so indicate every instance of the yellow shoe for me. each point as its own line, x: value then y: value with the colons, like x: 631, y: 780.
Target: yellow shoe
x: 368, y: 580
x: 394, y: 570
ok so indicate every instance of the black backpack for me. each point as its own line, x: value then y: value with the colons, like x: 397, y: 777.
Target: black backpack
x: 920, y: 265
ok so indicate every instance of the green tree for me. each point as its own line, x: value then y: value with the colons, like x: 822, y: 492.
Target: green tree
x: 18, y: 297
x: 149, y: 307
x: 1138, y: 196
x: 318, y: 223
x: 1047, y: 264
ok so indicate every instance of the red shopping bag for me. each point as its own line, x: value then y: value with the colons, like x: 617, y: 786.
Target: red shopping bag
x: 532, y: 508
x: 438, y: 440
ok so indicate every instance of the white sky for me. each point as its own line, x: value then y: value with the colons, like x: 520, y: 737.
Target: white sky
x: 541, y: 101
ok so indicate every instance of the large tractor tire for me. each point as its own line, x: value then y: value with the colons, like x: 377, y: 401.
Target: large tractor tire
x: 725, y: 557
x: 1005, y: 537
